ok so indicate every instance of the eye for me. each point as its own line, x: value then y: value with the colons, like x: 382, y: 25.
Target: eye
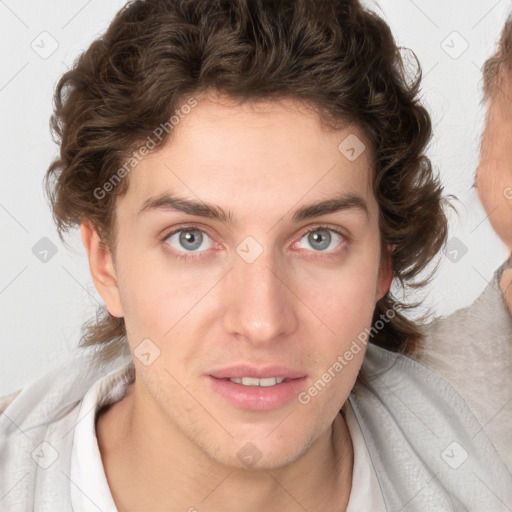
x: 321, y: 238
x: 191, y: 243
x: 188, y: 239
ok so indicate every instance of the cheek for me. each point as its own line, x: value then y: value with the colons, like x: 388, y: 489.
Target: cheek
x: 148, y: 292
x: 490, y: 182
x: 348, y: 304
x: 348, y: 314
x: 494, y: 186
x: 494, y: 172
x: 350, y: 291
x: 345, y: 306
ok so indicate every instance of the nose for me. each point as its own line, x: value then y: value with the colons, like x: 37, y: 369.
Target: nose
x: 260, y: 306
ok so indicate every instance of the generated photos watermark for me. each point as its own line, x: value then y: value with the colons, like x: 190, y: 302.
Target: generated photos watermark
x: 144, y: 149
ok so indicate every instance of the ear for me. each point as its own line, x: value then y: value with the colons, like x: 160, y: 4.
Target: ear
x: 102, y: 268
x: 385, y: 277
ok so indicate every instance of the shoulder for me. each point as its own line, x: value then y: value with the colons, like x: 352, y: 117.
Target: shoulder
x: 52, y: 395
x: 488, y: 316
x: 415, y: 422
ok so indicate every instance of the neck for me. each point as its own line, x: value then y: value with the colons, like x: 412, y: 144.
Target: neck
x: 145, y: 465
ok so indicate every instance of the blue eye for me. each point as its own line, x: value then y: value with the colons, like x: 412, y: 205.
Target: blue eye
x: 187, y: 239
x: 190, y: 243
x: 320, y: 238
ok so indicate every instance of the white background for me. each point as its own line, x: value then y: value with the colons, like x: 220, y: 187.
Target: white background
x: 43, y: 305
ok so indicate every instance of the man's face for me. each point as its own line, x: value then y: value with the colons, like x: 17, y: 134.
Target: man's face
x: 494, y: 173
x: 256, y: 292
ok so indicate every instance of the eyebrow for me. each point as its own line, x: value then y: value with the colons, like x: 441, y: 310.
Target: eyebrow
x: 166, y: 201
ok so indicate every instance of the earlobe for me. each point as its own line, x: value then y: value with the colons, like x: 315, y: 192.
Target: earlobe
x: 102, y: 268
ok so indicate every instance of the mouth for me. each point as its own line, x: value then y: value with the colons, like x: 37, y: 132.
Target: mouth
x: 253, y: 381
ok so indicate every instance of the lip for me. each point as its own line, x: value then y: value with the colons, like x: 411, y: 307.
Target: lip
x: 256, y: 398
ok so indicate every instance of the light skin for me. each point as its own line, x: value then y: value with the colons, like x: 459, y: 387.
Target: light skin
x: 171, y: 443
x: 494, y: 172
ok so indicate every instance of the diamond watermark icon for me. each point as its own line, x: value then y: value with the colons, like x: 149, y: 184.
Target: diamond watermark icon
x: 454, y: 45
x: 351, y: 147
x: 249, y: 454
x: 44, y: 455
x: 249, y: 250
x: 146, y: 352
x: 455, y: 249
x: 45, y: 45
x: 454, y: 455
x: 44, y: 250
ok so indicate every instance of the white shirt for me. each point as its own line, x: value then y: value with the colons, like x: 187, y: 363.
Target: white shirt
x: 89, y: 486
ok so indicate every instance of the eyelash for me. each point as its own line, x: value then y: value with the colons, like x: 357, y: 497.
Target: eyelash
x: 181, y: 256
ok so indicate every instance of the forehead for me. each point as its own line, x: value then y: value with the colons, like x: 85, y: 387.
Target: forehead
x: 257, y: 155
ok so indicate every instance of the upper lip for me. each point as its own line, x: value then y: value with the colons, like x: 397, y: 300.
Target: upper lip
x: 247, y: 370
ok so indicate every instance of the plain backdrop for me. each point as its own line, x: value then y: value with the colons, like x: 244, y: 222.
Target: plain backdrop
x: 44, y: 303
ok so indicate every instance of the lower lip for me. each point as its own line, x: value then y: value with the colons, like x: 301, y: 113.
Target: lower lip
x: 257, y: 398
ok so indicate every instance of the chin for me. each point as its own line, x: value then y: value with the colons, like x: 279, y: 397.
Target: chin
x: 259, y: 453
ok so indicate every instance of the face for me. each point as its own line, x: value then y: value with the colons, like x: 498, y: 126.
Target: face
x: 494, y: 173
x: 258, y: 290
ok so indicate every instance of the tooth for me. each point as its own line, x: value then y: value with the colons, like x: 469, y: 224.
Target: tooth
x: 269, y: 381
x: 250, y: 381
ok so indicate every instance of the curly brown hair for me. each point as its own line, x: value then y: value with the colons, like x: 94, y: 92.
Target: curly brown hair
x: 333, y: 54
